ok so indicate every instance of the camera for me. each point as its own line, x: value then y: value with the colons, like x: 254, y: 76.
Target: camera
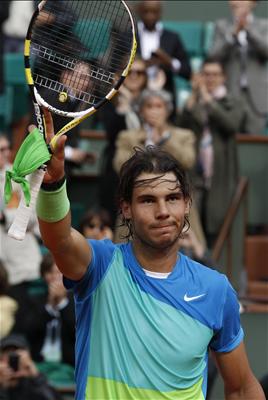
x: 13, y: 361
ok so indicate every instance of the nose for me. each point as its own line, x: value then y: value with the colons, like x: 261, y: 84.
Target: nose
x: 162, y: 211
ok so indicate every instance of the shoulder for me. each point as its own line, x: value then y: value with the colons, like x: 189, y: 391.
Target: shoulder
x: 261, y: 22
x: 211, y: 293
x: 222, y: 23
x: 102, y: 255
x: 207, y: 277
x: 102, y: 248
x: 182, y: 132
x: 7, y: 303
x: 168, y: 34
x: 232, y: 101
x: 131, y: 134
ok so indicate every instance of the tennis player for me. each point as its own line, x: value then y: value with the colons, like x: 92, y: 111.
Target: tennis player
x: 146, y: 314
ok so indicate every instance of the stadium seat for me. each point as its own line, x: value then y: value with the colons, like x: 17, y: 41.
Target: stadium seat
x: 16, y: 86
x: 191, y: 33
x: 14, y: 69
x: 196, y: 63
x: 6, y: 101
x: 183, y: 90
x: 93, y: 29
x: 77, y: 211
x: 208, y: 36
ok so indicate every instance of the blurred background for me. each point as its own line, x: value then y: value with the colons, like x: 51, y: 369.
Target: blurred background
x: 238, y: 246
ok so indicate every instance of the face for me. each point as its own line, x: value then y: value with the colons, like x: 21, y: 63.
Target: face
x: 241, y: 8
x: 157, y: 211
x: 213, y: 76
x: 154, y: 111
x: 150, y: 13
x: 78, y: 79
x: 94, y: 229
x: 136, y: 79
x: 4, y: 152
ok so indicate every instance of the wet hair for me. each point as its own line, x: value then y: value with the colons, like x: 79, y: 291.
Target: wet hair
x: 149, y: 160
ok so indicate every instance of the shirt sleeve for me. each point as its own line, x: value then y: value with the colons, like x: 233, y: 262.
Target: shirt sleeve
x: 230, y: 334
x: 102, y: 253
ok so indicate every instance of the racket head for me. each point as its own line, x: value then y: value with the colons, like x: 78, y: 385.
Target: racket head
x: 78, y: 53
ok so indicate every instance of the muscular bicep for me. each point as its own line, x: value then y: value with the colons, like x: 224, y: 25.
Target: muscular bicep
x: 69, y: 248
x: 74, y: 257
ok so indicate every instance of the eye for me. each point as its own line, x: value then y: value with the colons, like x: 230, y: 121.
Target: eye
x: 147, y: 200
x: 174, y: 198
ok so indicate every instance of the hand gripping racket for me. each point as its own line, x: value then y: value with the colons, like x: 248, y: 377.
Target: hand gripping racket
x: 77, y: 54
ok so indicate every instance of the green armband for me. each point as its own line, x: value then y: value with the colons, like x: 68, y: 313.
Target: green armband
x: 53, y: 206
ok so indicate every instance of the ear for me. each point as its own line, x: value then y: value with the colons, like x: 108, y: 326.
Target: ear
x: 187, y: 206
x: 126, y: 209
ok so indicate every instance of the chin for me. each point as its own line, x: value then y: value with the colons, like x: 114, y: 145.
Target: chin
x: 164, y: 243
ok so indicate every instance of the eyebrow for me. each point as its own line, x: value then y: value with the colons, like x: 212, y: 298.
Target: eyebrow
x: 151, y: 195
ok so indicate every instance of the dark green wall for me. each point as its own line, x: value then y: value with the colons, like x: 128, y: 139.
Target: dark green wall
x: 202, y: 10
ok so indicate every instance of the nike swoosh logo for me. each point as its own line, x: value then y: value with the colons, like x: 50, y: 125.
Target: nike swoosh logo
x: 186, y: 298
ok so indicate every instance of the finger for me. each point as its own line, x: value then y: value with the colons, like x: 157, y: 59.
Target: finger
x: 49, y: 124
x: 58, y: 147
x: 31, y: 128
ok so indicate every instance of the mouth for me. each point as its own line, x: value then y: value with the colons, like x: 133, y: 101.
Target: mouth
x: 163, y: 227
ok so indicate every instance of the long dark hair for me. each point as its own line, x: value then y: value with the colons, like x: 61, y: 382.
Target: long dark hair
x: 150, y: 160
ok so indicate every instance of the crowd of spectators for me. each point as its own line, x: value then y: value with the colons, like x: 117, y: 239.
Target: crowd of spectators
x: 228, y: 96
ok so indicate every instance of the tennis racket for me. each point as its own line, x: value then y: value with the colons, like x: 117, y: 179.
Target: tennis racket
x: 77, y: 54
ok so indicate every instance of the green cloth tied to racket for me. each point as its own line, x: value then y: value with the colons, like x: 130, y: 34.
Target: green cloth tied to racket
x: 31, y: 155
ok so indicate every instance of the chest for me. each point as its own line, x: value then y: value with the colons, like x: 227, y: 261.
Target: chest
x: 149, y: 320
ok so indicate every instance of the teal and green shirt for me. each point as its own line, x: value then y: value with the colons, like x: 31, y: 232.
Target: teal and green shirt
x: 138, y: 337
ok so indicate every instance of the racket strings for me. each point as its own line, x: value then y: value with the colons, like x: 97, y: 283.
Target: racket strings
x: 79, y: 50
x: 47, y: 54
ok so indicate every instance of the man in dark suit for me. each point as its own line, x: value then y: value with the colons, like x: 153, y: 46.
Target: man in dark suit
x: 162, y: 49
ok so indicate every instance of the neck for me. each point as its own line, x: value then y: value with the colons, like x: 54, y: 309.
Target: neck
x: 155, y: 259
x: 135, y: 93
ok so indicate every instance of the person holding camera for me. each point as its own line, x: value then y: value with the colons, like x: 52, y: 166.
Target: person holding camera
x: 19, y: 377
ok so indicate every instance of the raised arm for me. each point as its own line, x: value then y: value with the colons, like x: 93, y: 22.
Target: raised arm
x: 70, y: 249
x: 223, y: 40
x: 257, y: 37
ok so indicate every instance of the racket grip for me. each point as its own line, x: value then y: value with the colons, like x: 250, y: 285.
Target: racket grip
x: 18, y: 227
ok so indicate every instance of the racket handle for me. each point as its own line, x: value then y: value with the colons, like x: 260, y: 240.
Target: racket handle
x: 18, y: 227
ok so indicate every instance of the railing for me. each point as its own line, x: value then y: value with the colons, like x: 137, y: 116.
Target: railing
x: 244, y: 188
x: 224, y: 237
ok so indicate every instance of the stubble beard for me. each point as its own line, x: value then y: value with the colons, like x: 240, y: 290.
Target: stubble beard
x: 154, y: 245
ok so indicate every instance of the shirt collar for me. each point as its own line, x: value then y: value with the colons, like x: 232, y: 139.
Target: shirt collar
x: 220, y: 92
x: 158, y: 27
